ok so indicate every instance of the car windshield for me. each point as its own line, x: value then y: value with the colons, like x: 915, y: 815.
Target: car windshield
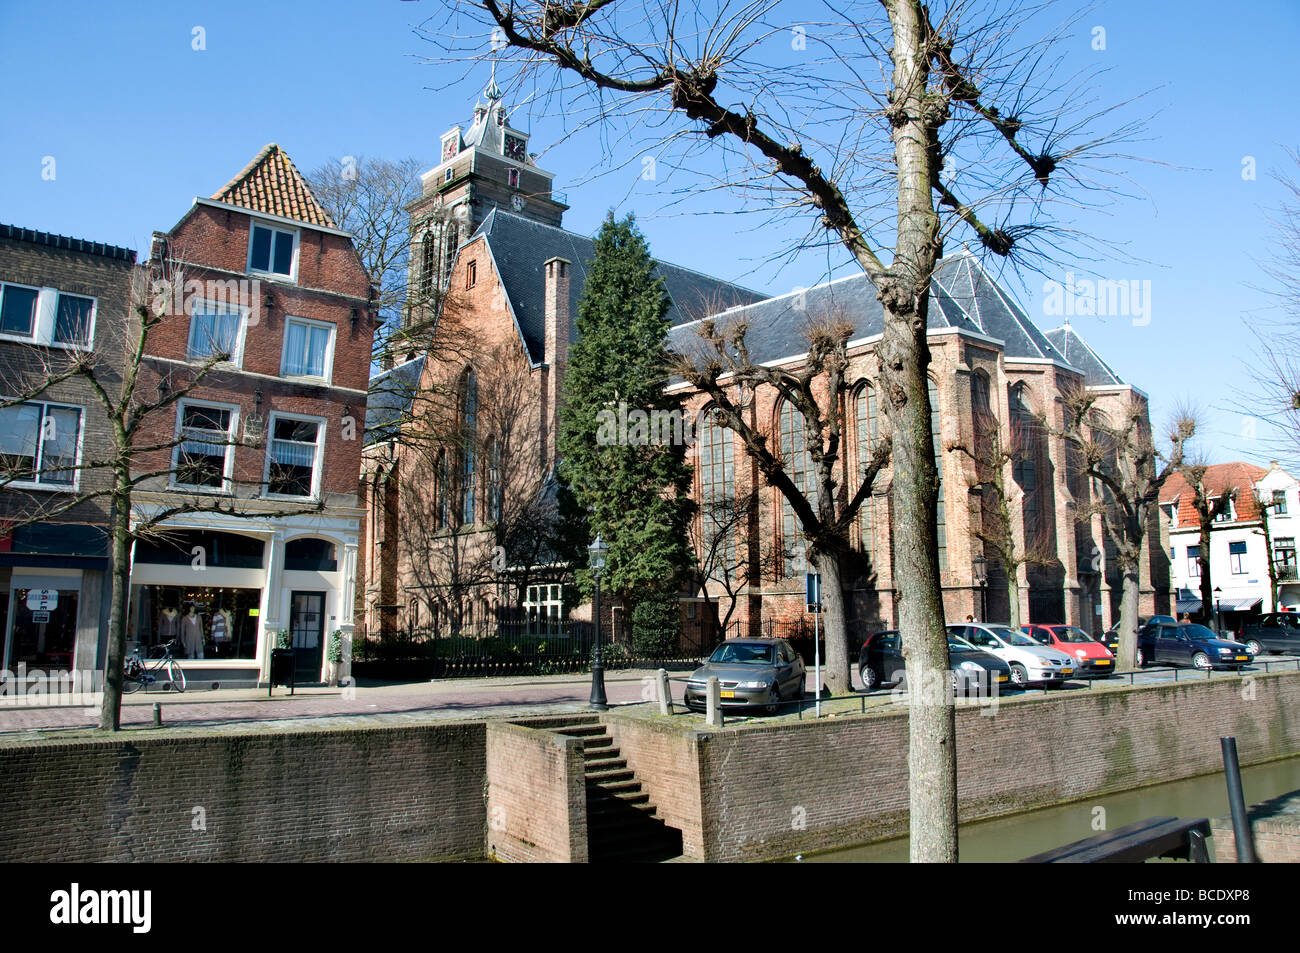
x: 1010, y: 636
x: 1192, y: 631
x: 1068, y: 633
x: 956, y: 644
x: 747, y: 654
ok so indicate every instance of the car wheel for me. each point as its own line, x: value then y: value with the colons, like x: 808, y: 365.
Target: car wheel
x: 774, y: 706
x: 1201, y: 660
x: 1019, y: 676
x: 870, y: 680
x: 1255, y: 647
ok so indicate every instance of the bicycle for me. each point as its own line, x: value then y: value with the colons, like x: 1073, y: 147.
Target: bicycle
x: 136, y: 674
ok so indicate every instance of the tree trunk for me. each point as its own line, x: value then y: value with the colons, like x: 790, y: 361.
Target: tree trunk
x: 1207, y: 583
x: 110, y: 714
x: 1013, y: 598
x: 904, y: 357
x: 837, y: 671
x: 1128, y: 615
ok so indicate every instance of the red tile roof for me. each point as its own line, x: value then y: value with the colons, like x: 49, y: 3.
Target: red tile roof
x: 1218, y: 477
x: 271, y: 183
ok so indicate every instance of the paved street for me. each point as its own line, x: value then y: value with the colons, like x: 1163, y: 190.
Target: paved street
x: 451, y: 698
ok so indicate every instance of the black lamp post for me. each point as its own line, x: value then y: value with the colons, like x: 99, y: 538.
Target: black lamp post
x: 982, y: 577
x: 1218, y: 615
x: 596, y: 553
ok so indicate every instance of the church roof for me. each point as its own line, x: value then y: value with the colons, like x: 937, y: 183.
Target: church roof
x: 963, y: 296
x: 1077, y: 353
x: 388, y: 405
x: 272, y: 184
x: 520, y: 248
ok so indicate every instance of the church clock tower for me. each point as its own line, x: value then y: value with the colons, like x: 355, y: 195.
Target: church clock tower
x: 485, y: 167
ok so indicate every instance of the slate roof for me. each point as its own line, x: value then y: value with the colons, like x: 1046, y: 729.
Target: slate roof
x: 271, y: 183
x: 389, y: 402
x: 963, y: 296
x: 521, y: 246
x: 1077, y: 353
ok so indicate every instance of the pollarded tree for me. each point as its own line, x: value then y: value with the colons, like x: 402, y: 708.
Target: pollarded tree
x: 1209, y: 506
x: 891, y: 126
x: 621, y: 444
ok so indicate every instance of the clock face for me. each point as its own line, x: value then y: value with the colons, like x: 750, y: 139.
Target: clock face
x: 449, y: 148
x: 515, y: 148
x: 517, y: 202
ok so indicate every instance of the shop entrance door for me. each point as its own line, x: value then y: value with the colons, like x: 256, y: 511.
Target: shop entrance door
x: 307, y: 628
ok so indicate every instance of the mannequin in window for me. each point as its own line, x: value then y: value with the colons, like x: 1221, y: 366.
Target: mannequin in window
x: 221, y: 628
x: 169, y: 625
x: 192, y: 633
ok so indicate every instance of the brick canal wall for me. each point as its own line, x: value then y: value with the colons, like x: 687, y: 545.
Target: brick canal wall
x: 764, y: 791
x: 255, y: 794
x: 536, y: 795
x: 1275, y: 825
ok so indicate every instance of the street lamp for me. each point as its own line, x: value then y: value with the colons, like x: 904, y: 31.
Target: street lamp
x: 1218, y: 617
x: 596, y: 554
x: 982, y: 577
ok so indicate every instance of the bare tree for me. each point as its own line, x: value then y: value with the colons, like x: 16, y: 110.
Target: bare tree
x: 1265, y: 506
x: 1117, y: 451
x: 1209, y: 506
x: 857, y: 133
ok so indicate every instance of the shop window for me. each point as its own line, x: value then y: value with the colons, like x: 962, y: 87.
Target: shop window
x: 205, y: 622
x: 198, y: 547
x: 292, y: 457
x: 38, y: 445
x: 312, y: 555
x: 43, y: 638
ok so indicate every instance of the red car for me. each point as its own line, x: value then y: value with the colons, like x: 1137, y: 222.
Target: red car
x: 1093, y: 659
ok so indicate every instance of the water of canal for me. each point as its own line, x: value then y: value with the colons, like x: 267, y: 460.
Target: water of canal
x: 1011, y: 838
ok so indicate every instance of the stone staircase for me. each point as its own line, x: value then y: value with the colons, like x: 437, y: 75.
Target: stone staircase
x: 622, y: 824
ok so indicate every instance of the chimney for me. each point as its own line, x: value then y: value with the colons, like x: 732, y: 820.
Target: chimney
x: 557, y: 350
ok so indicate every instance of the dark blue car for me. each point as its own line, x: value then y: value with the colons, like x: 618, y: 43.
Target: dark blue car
x: 1189, y: 644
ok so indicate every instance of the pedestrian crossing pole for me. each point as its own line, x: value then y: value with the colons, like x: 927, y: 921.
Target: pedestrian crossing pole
x: 813, y: 591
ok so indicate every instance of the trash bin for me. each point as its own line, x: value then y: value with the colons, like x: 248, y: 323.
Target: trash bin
x: 284, y: 666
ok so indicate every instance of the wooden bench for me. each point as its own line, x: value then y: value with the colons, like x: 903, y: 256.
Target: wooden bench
x: 1154, y: 837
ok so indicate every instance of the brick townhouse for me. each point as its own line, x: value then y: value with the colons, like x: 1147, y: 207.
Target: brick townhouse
x: 513, y: 282
x: 269, y: 441
x: 60, y: 298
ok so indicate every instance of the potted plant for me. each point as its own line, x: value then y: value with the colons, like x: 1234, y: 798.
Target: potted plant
x: 283, y: 640
x: 334, y: 655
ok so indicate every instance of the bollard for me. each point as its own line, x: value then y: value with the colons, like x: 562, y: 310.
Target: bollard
x: 713, y: 710
x: 157, y: 715
x: 1241, y: 832
x: 665, y: 696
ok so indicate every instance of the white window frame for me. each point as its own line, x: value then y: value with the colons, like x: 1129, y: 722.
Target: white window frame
x: 293, y: 264
x: 227, y: 471
x: 318, y: 465
x: 1237, y: 561
x: 75, y: 485
x: 46, y: 316
x: 237, y: 358
x: 329, y: 350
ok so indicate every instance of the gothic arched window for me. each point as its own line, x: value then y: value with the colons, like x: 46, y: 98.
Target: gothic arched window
x: 469, y: 438
x: 868, y: 431
x: 936, y: 435
x: 718, y: 490
x: 798, y: 466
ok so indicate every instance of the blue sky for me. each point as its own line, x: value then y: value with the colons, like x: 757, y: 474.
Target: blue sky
x: 138, y: 123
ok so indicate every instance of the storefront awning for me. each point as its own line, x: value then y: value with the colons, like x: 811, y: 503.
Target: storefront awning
x: 1188, y: 605
x: 1238, y: 605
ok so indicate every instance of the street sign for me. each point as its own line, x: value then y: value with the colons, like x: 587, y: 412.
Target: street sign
x: 813, y: 590
x: 42, y: 600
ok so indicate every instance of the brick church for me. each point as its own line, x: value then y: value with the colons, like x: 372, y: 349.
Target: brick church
x: 460, y: 432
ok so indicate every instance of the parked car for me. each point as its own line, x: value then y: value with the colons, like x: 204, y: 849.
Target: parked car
x: 1091, y: 658
x: 881, y: 660
x: 1273, y: 632
x: 1111, y: 638
x: 1189, y: 644
x: 752, y: 673
x: 1030, y: 662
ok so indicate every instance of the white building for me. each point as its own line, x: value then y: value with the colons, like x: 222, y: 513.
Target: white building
x: 1264, y: 510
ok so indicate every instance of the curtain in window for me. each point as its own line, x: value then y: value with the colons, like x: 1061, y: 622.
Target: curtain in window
x: 213, y: 332
x: 304, y: 349
x: 293, y: 454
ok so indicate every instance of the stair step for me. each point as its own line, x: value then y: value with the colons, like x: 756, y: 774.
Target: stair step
x: 610, y: 775
x: 599, y: 764
x: 580, y: 731
x: 597, y: 743
x: 604, y: 811
x: 598, y: 795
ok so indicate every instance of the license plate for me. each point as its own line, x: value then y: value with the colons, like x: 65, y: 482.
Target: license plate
x: 726, y: 694
x: 1243, y: 658
x: 1002, y: 678
x: 1102, y: 661
x: 1067, y: 671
